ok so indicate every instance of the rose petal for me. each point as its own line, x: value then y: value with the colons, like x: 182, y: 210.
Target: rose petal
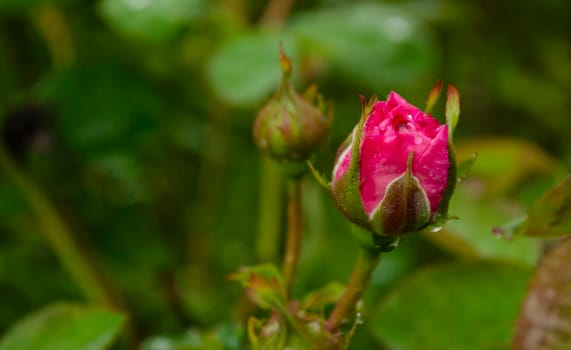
x: 395, y: 99
x: 394, y: 130
x: 431, y: 167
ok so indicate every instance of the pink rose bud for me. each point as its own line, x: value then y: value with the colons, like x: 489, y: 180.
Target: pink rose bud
x: 396, y: 180
x: 291, y: 127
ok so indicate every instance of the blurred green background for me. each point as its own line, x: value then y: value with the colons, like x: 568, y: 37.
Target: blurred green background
x: 131, y: 119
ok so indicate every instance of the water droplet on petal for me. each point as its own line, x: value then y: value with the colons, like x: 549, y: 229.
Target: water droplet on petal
x: 418, y: 139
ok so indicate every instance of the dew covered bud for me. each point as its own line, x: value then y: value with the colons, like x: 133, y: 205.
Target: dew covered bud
x: 290, y: 127
x: 395, y: 172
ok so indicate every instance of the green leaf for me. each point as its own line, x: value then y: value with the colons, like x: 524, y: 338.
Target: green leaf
x: 378, y: 45
x: 224, y: 337
x: 319, y: 177
x: 505, y: 164
x: 510, y: 229
x: 247, y: 69
x: 263, y: 284
x: 15, y: 6
x: 508, y: 172
x: 270, y: 334
x: 465, y: 166
x: 319, y: 299
x: 64, y: 327
x: 150, y: 21
x: 471, y: 236
x: 551, y: 214
x: 545, y: 318
x: 117, y: 109
x: 453, y: 306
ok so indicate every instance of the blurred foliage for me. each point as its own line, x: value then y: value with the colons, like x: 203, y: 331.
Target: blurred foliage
x: 134, y: 118
x: 64, y: 327
x: 483, y: 298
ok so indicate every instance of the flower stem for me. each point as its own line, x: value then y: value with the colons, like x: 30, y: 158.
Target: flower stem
x: 293, y: 239
x: 270, y: 211
x: 346, y: 307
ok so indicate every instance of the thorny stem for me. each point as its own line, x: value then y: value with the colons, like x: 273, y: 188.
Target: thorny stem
x: 345, y: 309
x: 78, y: 265
x: 276, y: 12
x: 294, y: 230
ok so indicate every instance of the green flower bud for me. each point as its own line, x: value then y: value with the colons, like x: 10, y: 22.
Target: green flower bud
x: 290, y: 127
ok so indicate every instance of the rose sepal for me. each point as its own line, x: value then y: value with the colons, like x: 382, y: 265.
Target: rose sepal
x: 405, y: 207
x: 374, y: 242
x: 346, y: 189
x: 452, y: 113
x: 441, y: 216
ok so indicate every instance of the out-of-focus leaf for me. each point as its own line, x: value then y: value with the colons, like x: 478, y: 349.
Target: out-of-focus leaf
x: 545, y: 318
x: 413, y: 253
x: 465, y: 166
x: 471, y: 236
x: 21, y: 5
x: 103, y: 106
x: 516, y: 85
x: 491, y: 195
x: 205, y: 304
x: 27, y: 252
x: 119, y: 177
x: 192, y: 342
x: 148, y: 20
x: 551, y: 214
x: 224, y: 337
x: 231, y: 336
x: 64, y: 327
x: 247, y: 69
x: 11, y: 201
x: 264, y: 285
x: 453, y: 306
x: 510, y: 229
x: 268, y: 335
x: 322, y: 297
x: 504, y: 163
x: 374, y: 44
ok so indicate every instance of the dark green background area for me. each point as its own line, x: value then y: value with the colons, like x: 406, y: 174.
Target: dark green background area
x: 134, y: 118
